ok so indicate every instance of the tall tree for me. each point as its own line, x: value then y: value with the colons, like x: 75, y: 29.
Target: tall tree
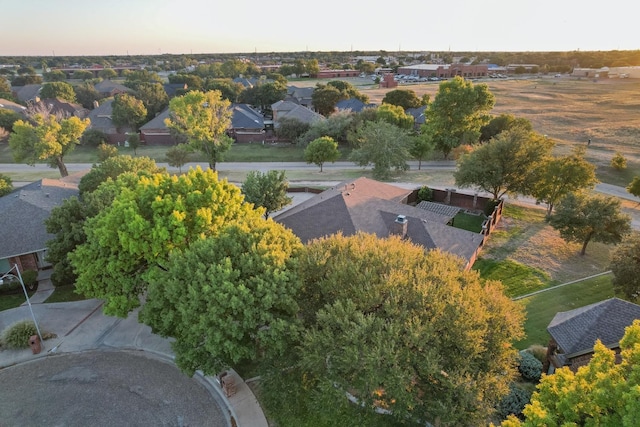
x: 457, y: 113
x: 266, y: 190
x: 229, y: 298
x: 87, y: 95
x: 582, y: 218
x: 403, y: 330
x: 563, y: 175
x: 203, y: 118
x: 128, y: 111
x: 59, y: 90
x: 502, y: 123
x: 422, y: 146
x: 602, y: 393
x: 151, y: 217
x: 49, y: 139
x: 177, y: 156
x: 404, y: 98
x: 108, y: 74
x: 153, y: 96
x: 509, y: 163
x: 325, y: 98
x: 384, y: 145
x: 394, y: 115
x: 625, y: 265
x: 322, y: 150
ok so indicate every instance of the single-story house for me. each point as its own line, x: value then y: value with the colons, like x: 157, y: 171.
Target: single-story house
x: 289, y: 109
x: 66, y: 108
x: 100, y: 118
x: 10, y: 105
x: 108, y: 88
x: 23, y: 213
x: 27, y: 93
x: 300, y: 95
x: 353, y: 104
x: 156, y: 132
x: 574, y: 332
x: 247, y: 125
x: 366, y: 205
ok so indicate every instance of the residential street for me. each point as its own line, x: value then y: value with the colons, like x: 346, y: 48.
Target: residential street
x: 632, y: 209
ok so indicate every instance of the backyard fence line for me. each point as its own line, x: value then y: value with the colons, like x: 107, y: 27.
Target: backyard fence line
x: 559, y: 286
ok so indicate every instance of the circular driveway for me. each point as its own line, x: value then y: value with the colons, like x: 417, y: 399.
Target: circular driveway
x: 104, y: 388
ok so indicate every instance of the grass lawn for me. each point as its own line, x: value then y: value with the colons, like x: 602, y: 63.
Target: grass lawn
x: 468, y: 222
x: 13, y: 299
x: 518, y: 279
x: 65, y: 294
x: 542, y: 307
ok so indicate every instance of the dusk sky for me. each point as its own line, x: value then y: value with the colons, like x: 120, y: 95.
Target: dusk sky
x: 143, y: 27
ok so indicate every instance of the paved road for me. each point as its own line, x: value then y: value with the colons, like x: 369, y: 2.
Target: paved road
x: 104, y: 388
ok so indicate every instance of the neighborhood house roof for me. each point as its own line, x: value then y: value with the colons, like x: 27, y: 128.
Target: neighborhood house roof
x: 10, y: 105
x: 372, y: 207
x: 289, y: 109
x: 245, y: 117
x: 353, y: 104
x: 576, y: 331
x: 27, y: 92
x: 23, y: 212
x: 100, y: 116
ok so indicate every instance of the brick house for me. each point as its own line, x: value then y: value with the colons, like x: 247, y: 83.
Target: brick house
x: 23, y: 212
x: 445, y: 71
x: 100, y: 118
x: 574, y: 332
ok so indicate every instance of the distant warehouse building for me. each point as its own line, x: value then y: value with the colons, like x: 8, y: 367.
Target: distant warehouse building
x: 444, y: 71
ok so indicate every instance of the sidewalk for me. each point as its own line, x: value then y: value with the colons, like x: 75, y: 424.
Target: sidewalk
x: 82, y: 326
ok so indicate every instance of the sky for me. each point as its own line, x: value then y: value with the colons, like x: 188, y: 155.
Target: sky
x: 149, y: 27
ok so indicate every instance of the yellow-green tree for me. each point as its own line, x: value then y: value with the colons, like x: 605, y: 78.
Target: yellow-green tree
x: 151, y: 217
x: 403, y: 331
x: 47, y: 138
x: 203, y: 118
x: 601, y: 393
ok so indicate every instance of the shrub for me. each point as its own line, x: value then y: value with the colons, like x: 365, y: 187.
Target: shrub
x: 514, y: 402
x: 538, y: 351
x: 17, y: 335
x: 618, y: 162
x: 530, y: 368
x: 93, y: 138
x: 458, y: 151
x: 105, y: 151
x: 30, y: 278
x: 425, y: 194
x: 488, y: 208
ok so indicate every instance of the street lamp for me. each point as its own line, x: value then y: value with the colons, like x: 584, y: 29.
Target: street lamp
x: 24, y: 289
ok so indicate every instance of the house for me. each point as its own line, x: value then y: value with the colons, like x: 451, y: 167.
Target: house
x: 10, y: 105
x: 64, y: 108
x: 100, y: 118
x: 23, y: 213
x: 418, y: 115
x: 108, y: 88
x: 292, y: 110
x: 574, y: 332
x: 444, y: 71
x: 300, y: 95
x: 27, y: 93
x: 175, y: 89
x: 366, y: 205
x: 353, y: 104
x: 156, y: 132
x: 247, y: 125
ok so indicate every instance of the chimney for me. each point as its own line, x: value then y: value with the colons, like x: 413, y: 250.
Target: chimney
x: 399, y: 227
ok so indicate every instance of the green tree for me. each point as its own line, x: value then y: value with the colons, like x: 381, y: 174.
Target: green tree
x: 625, y: 265
x: 153, y: 96
x: 108, y: 74
x: 618, y: 161
x: 106, y: 151
x: 404, y: 330
x: 322, y: 150
x: 582, y: 218
x: 227, y: 87
x: 509, y: 163
x: 55, y: 76
x: 177, y: 156
x: 5, y: 90
x: 59, y: 90
x: 602, y: 393
x: 203, y: 118
x: 6, y: 185
x: 404, y: 98
x: 127, y: 110
x: 8, y: 118
x: 325, y: 98
x: 266, y: 190
x: 421, y: 148
x: 394, y: 115
x: 634, y: 186
x: 87, y: 95
x: 151, y: 217
x: 49, y: 138
x: 67, y: 221
x: 83, y: 75
x: 457, y: 113
x: 291, y: 129
x: 384, y: 145
x: 502, y: 123
x: 239, y: 302
x: 336, y: 126
x: 134, y: 142
x: 264, y: 95
x: 93, y: 138
x: 563, y: 175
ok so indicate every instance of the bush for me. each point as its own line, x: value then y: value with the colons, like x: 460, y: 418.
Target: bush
x: 538, y: 351
x: 514, y: 402
x: 460, y: 150
x: 425, y: 194
x: 530, y: 368
x: 489, y: 207
x: 30, y: 278
x: 93, y: 138
x: 17, y: 336
x: 618, y: 162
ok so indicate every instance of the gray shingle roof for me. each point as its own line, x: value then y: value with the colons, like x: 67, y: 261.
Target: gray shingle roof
x: 576, y: 331
x: 157, y: 122
x: 439, y: 208
x: 110, y: 87
x: 289, y: 109
x: 245, y: 117
x: 10, y: 105
x: 101, y: 117
x: 27, y: 92
x: 372, y: 207
x: 23, y: 212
